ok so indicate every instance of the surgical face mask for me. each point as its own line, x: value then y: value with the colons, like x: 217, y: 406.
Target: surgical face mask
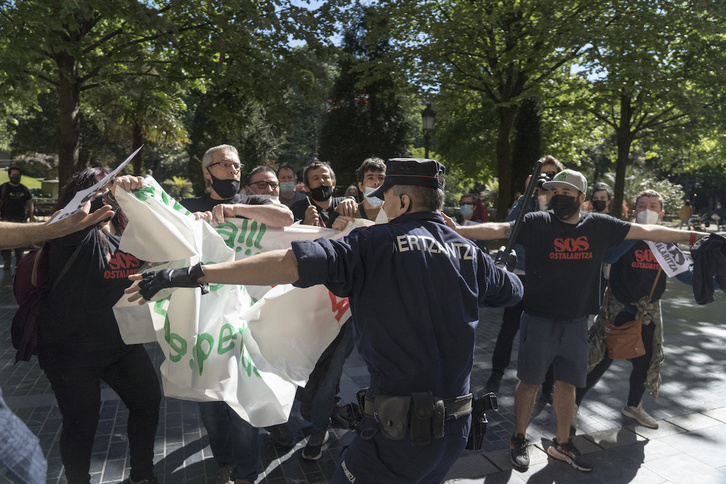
x: 599, y: 205
x: 564, y: 206
x: 466, y: 210
x: 648, y: 217
x: 373, y: 201
x: 287, y: 187
x: 321, y: 193
x: 271, y: 198
x: 15, y: 179
x: 224, y: 188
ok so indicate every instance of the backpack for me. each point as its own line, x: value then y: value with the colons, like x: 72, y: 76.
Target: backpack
x: 31, y: 287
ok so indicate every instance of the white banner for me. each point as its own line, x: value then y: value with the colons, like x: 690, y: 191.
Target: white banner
x: 248, y: 346
x: 670, y: 257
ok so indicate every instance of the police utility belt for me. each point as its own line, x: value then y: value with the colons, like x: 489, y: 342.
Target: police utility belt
x: 424, y: 413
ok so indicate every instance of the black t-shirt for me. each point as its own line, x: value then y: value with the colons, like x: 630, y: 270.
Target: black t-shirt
x: 563, y: 262
x: 14, y: 200
x: 326, y: 216
x: 78, y: 312
x: 632, y: 276
x: 205, y: 203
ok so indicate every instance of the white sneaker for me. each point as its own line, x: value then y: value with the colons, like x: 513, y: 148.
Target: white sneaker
x: 640, y: 415
x: 573, y: 423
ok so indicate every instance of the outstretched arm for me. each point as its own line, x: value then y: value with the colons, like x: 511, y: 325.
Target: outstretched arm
x: 485, y: 231
x: 658, y: 233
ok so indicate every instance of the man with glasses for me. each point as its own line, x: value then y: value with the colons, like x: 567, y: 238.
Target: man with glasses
x: 233, y: 440
x: 262, y: 181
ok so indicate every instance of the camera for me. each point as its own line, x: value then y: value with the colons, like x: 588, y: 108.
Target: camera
x: 544, y: 177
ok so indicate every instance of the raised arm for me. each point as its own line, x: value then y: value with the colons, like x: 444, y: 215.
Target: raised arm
x: 485, y: 231
x: 658, y: 233
x: 273, y: 214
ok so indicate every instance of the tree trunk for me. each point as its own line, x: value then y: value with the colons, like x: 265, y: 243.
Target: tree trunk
x: 69, y: 108
x: 504, y: 159
x: 137, y: 140
x: 625, y: 140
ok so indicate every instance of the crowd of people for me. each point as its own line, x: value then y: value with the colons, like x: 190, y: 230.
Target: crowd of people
x: 415, y: 281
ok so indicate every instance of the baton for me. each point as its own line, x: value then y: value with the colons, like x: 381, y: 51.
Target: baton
x: 500, y: 260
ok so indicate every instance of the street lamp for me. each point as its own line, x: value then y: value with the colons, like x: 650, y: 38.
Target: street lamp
x: 428, y: 116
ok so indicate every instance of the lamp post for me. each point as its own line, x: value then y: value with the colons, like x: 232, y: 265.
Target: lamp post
x: 428, y: 116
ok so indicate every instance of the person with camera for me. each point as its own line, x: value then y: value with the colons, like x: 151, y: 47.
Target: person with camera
x: 565, y: 247
x: 510, y: 317
x: 415, y: 288
x: 636, y: 287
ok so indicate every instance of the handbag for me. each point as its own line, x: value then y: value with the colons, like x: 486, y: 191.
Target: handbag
x: 625, y: 341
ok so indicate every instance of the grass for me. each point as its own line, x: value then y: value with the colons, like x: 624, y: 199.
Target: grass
x: 28, y: 181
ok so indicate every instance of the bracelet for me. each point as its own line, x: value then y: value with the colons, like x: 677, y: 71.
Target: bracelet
x: 692, y: 240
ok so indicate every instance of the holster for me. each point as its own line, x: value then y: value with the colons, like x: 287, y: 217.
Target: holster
x: 480, y: 405
x: 392, y: 415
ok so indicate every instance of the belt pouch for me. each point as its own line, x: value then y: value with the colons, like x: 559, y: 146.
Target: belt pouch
x: 421, y: 418
x: 392, y: 414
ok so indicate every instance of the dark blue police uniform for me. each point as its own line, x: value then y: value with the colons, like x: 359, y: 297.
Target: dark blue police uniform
x: 415, y: 288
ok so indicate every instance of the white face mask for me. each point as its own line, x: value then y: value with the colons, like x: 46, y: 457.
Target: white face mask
x: 374, y: 201
x: 647, y: 217
x: 272, y: 198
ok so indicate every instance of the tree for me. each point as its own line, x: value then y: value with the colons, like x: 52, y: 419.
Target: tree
x: 503, y: 50
x: 654, y: 71
x: 366, y: 112
x: 73, y: 46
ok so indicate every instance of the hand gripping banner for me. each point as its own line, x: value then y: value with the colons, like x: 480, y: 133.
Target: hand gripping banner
x: 248, y: 346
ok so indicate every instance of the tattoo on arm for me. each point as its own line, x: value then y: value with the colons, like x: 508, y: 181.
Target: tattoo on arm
x: 507, y: 230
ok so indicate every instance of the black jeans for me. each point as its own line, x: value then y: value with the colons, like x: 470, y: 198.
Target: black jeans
x: 76, y: 376
x: 638, y: 374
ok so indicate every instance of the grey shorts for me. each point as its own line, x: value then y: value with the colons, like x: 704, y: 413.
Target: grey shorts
x: 546, y: 341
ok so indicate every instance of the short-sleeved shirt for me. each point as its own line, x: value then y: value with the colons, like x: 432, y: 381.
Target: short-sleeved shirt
x: 326, y: 215
x: 563, y: 262
x: 205, y: 203
x: 14, y: 202
x: 632, y: 276
x: 415, y: 288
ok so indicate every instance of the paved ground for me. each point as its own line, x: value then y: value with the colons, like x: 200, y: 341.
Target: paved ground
x: 687, y: 447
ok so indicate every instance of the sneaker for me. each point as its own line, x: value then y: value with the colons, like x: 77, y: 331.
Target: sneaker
x: 149, y: 480
x: 640, y: 415
x: 493, y: 382
x: 518, y: 452
x: 224, y: 475
x: 314, y: 448
x: 567, y: 452
x: 281, y: 435
x: 573, y: 422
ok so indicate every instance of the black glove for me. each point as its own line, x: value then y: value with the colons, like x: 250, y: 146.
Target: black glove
x: 153, y: 282
x: 504, y: 260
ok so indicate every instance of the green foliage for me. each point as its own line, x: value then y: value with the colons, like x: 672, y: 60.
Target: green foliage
x: 179, y: 187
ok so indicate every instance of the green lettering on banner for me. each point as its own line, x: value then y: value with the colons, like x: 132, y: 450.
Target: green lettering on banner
x: 176, y: 343
x: 145, y: 193
x: 222, y: 348
x: 200, y: 353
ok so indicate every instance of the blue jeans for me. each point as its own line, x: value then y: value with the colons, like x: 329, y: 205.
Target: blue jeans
x: 232, y: 439
x: 324, y: 399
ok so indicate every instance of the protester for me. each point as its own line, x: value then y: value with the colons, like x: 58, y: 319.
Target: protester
x: 370, y: 174
x: 564, y: 248
x: 413, y: 324
x: 321, y: 208
x: 601, y: 199
x: 352, y: 192
x: 481, y: 211
x: 288, y: 181
x: 21, y: 457
x: 79, y: 344
x: 634, y: 273
x: 685, y: 214
x: 467, y: 216
x: 234, y: 442
x: 16, y: 205
x: 510, y: 317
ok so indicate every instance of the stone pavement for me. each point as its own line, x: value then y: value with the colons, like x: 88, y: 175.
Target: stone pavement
x: 688, y: 446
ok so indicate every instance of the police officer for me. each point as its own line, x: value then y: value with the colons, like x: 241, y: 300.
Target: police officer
x: 415, y: 289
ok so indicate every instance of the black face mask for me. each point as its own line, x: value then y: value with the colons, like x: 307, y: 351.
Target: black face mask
x: 322, y: 193
x: 599, y: 205
x: 224, y: 188
x: 15, y: 179
x: 564, y: 206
